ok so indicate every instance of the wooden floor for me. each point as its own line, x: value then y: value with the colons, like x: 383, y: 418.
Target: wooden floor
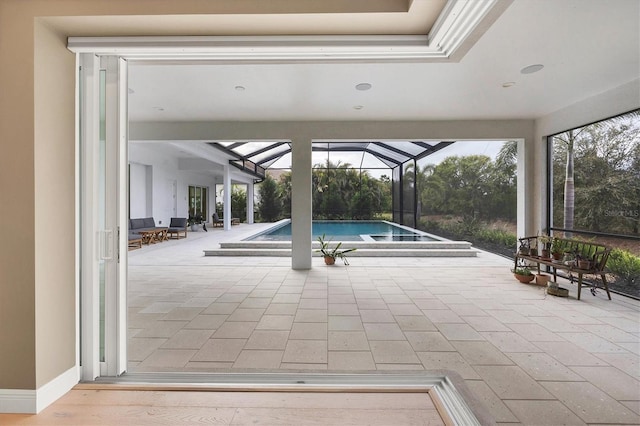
x: 136, y: 407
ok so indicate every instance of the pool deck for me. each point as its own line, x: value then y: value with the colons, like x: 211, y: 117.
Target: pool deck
x: 529, y: 358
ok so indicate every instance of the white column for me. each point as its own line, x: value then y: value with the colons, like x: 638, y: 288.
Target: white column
x: 301, y: 204
x: 226, y: 212
x: 250, y: 188
x: 524, y: 188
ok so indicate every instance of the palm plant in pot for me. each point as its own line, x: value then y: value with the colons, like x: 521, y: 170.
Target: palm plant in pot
x: 330, y: 254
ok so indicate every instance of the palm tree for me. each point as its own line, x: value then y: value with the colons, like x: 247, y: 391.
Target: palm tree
x: 569, y: 138
x: 508, y: 154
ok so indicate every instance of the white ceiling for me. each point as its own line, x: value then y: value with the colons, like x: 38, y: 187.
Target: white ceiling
x: 586, y: 47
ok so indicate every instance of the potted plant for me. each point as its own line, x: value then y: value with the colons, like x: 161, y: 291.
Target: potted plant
x: 557, y: 248
x: 542, y: 279
x: 545, y: 242
x: 524, y: 248
x: 523, y: 274
x: 583, y: 262
x: 330, y: 254
x: 193, y: 221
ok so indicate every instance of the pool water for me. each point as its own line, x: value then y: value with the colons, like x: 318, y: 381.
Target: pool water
x: 348, y: 231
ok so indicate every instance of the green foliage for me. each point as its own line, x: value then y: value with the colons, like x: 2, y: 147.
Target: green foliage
x: 362, y: 207
x: 472, y: 230
x: 239, y: 202
x: 497, y: 236
x: 474, y: 186
x: 625, y: 266
x: 269, y: 207
x: 522, y: 270
x: 558, y: 245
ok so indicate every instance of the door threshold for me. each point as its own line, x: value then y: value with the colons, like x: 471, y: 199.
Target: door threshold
x: 454, y: 402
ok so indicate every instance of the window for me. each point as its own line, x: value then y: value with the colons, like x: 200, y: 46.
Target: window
x: 595, y: 191
x: 198, y: 202
x: 596, y: 177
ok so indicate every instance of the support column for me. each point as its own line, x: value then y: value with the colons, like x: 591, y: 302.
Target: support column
x: 301, y: 204
x: 525, y: 189
x: 250, y: 212
x: 226, y: 199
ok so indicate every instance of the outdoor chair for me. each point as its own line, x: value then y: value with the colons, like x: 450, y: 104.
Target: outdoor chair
x: 177, y: 226
x: 216, y: 221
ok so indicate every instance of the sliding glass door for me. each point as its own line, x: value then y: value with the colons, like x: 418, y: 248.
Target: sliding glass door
x: 103, y: 214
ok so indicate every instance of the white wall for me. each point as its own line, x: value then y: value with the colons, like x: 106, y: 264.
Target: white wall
x: 139, y: 190
x: 164, y: 170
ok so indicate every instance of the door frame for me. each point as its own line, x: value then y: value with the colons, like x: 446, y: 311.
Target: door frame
x: 103, y: 213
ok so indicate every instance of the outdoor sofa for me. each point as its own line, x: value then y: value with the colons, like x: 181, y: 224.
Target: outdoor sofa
x: 146, y: 229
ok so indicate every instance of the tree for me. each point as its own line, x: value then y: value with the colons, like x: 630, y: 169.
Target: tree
x: 569, y: 138
x: 239, y: 201
x: 269, y: 207
x: 603, y: 159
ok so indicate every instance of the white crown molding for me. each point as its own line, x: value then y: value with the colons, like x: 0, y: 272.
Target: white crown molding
x: 33, y: 401
x: 457, y: 22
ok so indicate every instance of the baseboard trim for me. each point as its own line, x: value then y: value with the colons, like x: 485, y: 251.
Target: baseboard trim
x: 26, y: 401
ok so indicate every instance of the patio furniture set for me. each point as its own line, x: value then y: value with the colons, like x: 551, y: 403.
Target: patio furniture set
x: 145, y: 231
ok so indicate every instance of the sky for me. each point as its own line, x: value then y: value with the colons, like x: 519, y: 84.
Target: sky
x: 461, y: 148
x: 464, y: 148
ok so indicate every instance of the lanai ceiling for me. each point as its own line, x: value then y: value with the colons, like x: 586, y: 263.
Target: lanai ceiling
x: 586, y: 47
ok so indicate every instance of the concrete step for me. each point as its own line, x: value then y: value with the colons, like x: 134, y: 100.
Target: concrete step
x: 378, y: 245
x: 281, y: 252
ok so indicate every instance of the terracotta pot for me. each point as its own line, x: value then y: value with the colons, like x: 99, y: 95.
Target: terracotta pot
x: 524, y: 278
x: 542, y: 279
x: 584, y: 264
x: 557, y: 256
x: 545, y: 254
x: 328, y: 260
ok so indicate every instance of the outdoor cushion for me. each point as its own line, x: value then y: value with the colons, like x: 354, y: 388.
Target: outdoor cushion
x: 149, y: 222
x: 178, y: 222
x: 136, y: 223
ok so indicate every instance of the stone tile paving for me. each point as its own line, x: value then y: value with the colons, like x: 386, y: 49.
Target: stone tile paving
x: 529, y: 358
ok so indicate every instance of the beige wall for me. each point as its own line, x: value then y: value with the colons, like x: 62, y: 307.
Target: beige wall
x: 54, y: 160
x: 17, y: 208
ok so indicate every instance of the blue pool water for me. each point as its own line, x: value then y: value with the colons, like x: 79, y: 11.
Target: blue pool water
x: 347, y: 231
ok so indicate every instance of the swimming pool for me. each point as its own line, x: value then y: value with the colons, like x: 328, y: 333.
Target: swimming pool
x: 348, y: 230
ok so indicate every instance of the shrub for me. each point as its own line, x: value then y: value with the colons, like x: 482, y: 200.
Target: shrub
x: 497, y: 236
x: 625, y: 266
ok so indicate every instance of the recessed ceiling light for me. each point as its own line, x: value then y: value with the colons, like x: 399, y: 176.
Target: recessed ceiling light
x: 363, y: 86
x: 358, y: 107
x: 508, y: 84
x: 531, y: 69
x: 240, y: 88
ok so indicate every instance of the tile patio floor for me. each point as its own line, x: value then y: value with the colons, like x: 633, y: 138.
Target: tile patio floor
x: 528, y: 358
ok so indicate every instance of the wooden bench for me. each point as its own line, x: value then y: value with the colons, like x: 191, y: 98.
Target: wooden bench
x: 594, y: 257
